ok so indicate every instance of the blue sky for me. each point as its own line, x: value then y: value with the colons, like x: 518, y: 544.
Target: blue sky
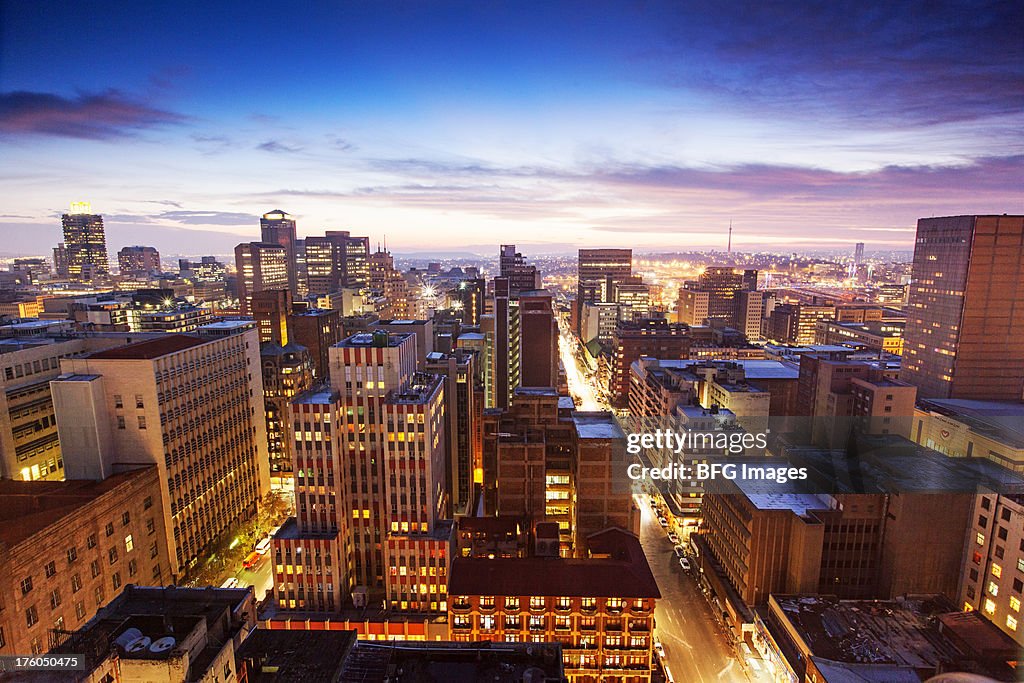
x: 552, y: 124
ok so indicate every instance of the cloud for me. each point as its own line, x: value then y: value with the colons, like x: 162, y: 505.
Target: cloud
x: 918, y: 62
x: 278, y: 147
x: 90, y: 116
x: 208, y: 217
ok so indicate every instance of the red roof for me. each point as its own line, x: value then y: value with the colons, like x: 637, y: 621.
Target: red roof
x: 148, y: 350
x: 624, y: 575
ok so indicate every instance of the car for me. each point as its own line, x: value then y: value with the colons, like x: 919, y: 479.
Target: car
x: 684, y: 562
x: 662, y: 521
x: 263, y: 547
x: 654, y: 503
x: 231, y: 582
x: 680, y: 551
x: 673, y: 538
x: 659, y: 648
x: 252, y: 560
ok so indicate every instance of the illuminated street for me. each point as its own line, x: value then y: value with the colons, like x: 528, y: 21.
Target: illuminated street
x: 580, y: 386
x: 696, y: 645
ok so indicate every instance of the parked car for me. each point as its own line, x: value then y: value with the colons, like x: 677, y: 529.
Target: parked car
x: 662, y: 521
x: 659, y: 648
x: 684, y: 562
x: 263, y: 547
x: 680, y: 551
x: 673, y: 538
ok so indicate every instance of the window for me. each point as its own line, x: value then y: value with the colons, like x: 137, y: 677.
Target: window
x: 3, y: 641
x: 112, y: 555
x: 91, y: 541
x: 1011, y: 623
x: 133, y: 567
x: 129, y: 544
x: 80, y: 610
x: 109, y: 530
x: 31, y: 616
x: 150, y: 527
x: 54, y: 598
x: 153, y: 552
x: 1015, y: 603
x: 147, y: 503
x: 980, y: 538
x: 72, y: 554
x: 94, y: 568
x: 26, y: 585
x: 993, y: 588
x: 126, y: 518
x: 1020, y: 564
x: 486, y: 622
x: 115, y: 580
x: 142, y: 421
x: 98, y: 594
x: 997, y: 571
x: 536, y: 602
x: 76, y: 583
x: 120, y: 421
x: 118, y: 401
x: 990, y: 607
x: 51, y: 569
x: 138, y: 402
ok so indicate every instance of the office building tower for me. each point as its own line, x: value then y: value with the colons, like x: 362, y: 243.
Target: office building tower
x: 318, y: 329
x: 369, y: 484
x: 538, y: 340
x: 463, y: 412
x: 858, y: 254
x: 597, y: 271
x: 387, y: 286
x: 336, y: 260
x: 190, y: 405
x: 992, y: 575
x: 60, y: 261
x: 85, y: 243
x: 471, y: 298
x: 287, y: 372
x: 505, y: 353
x: 717, y: 295
x: 521, y: 276
x: 70, y: 547
x: 651, y: 338
x: 206, y: 269
x: 277, y: 227
x: 259, y: 266
x: 271, y: 308
x: 964, y: 336
x: 138, y: 260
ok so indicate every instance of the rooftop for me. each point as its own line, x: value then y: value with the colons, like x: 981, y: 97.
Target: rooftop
x: 154, y: 348
x: 1001, y: 420
x: 300, y: 656
x: 364, y: 339
x: 596, y: 425
x: 322, y: 394
x: 413, y: 661
x: 625, y: 573
x: 31, y: 506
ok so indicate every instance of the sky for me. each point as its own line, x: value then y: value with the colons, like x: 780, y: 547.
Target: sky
x: 460, y: 125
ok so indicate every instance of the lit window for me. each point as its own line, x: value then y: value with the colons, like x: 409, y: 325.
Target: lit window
x: 129, y: 544
x: 980, y: 538
x: 990, y: 607
x: 1011, y: 623
x: 997, y: 571
x: 1015, y: 603
x: 993, y: 588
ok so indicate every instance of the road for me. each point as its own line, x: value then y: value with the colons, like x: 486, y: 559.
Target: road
x: 580, y: 386
x: 696, y: 645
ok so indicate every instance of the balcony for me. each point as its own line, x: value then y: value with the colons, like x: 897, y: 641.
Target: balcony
x: 640, y: 626
x: 461, y: 606
x: 486, y: 606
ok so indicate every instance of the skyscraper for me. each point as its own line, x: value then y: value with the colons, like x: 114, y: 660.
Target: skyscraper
x: 521, y: 276
x: 85, y: 243
x: 189, y: 405
x: 138, y: 260
x: 260, y: 266
x: 335, y: 260
x: 277, y: 227
x: 858, y: 254
x: 597, y: 272
x: 965, y: 328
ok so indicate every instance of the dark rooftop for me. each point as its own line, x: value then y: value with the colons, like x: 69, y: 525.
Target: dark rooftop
x: 421, y: 662
x: 154, y: 348
x: 623, y: 573
x: 306, y: 656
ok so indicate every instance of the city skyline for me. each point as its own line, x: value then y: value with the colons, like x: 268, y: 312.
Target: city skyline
x: 644, y: 125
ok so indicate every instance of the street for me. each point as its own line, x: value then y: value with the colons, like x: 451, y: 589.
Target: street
x: 580, y: 386
x: 696, y: 647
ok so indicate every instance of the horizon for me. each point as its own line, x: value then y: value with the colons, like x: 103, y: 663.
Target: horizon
x: 650, y: 125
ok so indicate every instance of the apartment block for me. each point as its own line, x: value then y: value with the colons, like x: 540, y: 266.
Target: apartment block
x: 193, y: 406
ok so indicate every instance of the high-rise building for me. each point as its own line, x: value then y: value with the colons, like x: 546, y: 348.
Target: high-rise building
x: 369, y: 485
x: 651, y: 338
x: 597, y: 271
x: 336, y: 260
x: 207, y: 269
x: 138, y: 260
x: 538, y: 340
x: 717, y: 294
x: 271, y: 308
x: 85, y: 243
x: 471, y: 296
x: 521, y: 276
x: 190, y: 405
x: 388, y: 286
x: 858, y: 254
x: 60, y: 261
x: 964, y: 336
x: 504, y: 323
x: 318, y: 329
x: 463, y: 412
x: 260, y: 266
x: 277, y: 227
x: 287, y: 372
